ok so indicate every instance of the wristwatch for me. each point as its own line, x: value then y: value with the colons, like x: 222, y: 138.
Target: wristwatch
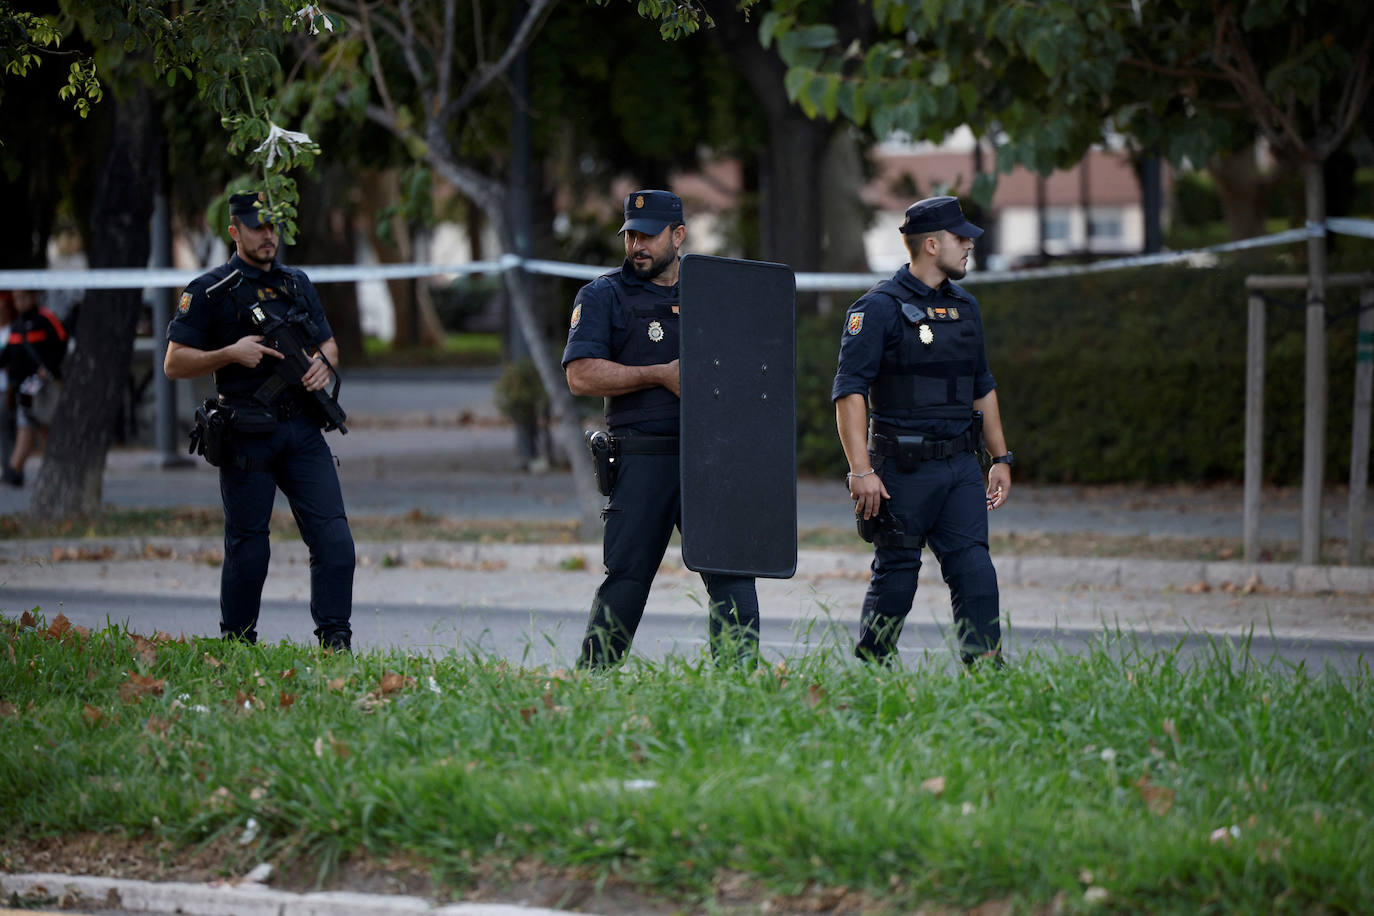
x: 1006, y: 459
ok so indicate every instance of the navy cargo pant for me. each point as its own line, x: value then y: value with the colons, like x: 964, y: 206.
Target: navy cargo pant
x: 944, y: 502
x: 296, y: 458
x: 645, y: 506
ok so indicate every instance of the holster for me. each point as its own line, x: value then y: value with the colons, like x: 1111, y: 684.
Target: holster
x: 208, y: 436
x: 253, y: 419
x: 605, y: 459
x: 884, y: 530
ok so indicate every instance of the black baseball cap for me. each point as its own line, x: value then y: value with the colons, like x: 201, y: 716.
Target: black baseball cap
x: 650, y: 212
x: 936, y: 213
x: 244, y: 206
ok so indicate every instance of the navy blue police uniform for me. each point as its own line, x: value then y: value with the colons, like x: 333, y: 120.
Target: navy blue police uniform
x: 291, y: 456
x: 634, y: 322
x: 918, y: 355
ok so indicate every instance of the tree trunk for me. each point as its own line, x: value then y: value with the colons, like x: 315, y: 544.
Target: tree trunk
x: 71, y: 481
x: 490, y: 196
x: 327, y: 236
x: 417, y: 324
x: 1243, y: 190
x: 790, y: 167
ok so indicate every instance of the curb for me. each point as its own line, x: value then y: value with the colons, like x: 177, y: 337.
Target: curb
x: 237, y: 900
x: 1031, y: 571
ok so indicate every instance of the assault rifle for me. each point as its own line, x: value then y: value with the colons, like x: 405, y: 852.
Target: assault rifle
x: 289, y: 338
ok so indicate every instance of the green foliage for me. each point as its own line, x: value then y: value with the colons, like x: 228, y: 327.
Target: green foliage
x: 677, y: 18
x: 1129, y: 375
x: 520, y: 394
x: 1044, y: 81
x: 26, y: 38
x: 915, y: 787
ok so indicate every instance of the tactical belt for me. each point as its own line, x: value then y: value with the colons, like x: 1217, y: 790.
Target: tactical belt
x: 646, y: 445
x: 894, y: 442
x: 286, y: 407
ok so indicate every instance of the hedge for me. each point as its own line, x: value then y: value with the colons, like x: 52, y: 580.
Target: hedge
x: 1130, y: 375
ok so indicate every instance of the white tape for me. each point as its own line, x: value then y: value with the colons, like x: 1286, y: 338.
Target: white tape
x: 161, y: 278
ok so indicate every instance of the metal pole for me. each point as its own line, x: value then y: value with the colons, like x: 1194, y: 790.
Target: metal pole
x: 1314, y: 387
x: 1254, y: 426
x: 1359, y: 429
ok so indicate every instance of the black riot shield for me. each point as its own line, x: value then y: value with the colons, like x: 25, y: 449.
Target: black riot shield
x: 739, y: 418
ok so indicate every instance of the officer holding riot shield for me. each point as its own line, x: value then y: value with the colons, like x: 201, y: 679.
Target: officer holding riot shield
x: 913, y: 347
x: 263, y: 430
x: 623, y: 345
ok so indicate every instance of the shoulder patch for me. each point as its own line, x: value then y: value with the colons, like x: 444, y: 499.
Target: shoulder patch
x: 577, y: 314
x: 184, y: 305
x: 856, y: 323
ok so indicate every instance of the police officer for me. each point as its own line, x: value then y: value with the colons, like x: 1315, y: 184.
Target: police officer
x: 913, y: 346
x: 273, y: 441
x: 623, y: 345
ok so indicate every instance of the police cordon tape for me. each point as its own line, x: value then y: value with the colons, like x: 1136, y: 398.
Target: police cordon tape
x: 160, y: 278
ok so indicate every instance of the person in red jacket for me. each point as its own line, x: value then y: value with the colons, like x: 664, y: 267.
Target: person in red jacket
x: 32, y: 358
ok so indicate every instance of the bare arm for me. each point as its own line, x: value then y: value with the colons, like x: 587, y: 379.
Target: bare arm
x: 851, y: 418
x: 319, y: 376
x: 999, y: 475
x: 607, y: 379
x: 188, y: 362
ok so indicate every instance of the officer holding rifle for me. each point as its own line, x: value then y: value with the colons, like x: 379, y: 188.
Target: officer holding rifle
x: 258, y: 327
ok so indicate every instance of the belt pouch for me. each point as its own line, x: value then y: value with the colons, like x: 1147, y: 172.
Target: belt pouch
x: 604, y: 463
x: 207, y: 438
x: 909, y: 452
x: 253, y: 420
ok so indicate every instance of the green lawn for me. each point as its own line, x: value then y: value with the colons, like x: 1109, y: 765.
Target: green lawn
x: 1116, y: 781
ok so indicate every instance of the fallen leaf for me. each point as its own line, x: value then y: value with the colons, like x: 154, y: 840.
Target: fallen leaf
x: 60, y: 625
x: 212, y: 661
x: 935, y: 785
x: 815, y: 695
x: 527, y: 713
x: 336, y: 683
x: 139, y: 686
x: 1171, y: 730
x: 8, y: 710
x: 392, y: 682
x: 144, y: 650
x: 1158, y: 799
x: 1198, y: 588
x: 319, y: 747
x: 156, y: 726
x: 288, y: 674
x: 91, y: 715
x: 287, y: 699
x: 27, y: 620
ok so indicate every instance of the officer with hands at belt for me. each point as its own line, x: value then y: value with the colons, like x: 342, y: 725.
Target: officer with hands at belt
x: 912, y: 349
x: 623, y: 345
x: 271, y: 441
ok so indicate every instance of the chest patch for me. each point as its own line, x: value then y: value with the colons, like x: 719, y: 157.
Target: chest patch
x: 655, y: 331
x: 856, y: 323
x: 942, y: 314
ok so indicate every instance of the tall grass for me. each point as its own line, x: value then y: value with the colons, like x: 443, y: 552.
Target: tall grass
x: 1115, y: 778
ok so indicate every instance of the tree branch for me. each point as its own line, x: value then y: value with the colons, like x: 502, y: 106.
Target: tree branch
x: 484, y: 75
